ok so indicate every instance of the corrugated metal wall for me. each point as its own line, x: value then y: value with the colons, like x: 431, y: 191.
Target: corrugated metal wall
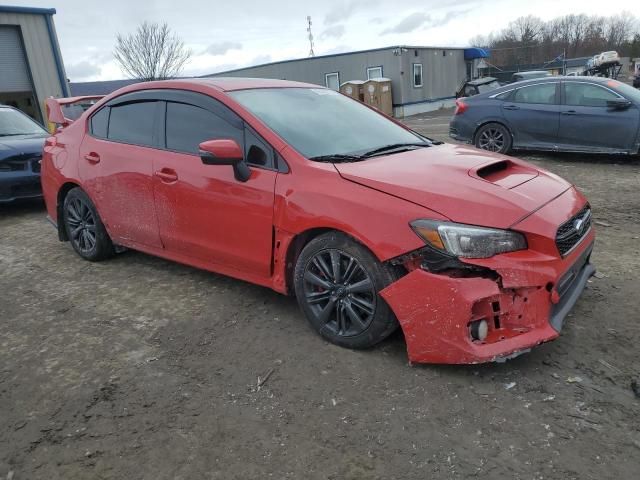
x: 40, y: 53
x: 442, y: 74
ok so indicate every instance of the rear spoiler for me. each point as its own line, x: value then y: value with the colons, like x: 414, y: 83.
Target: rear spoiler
x: 61, y: 112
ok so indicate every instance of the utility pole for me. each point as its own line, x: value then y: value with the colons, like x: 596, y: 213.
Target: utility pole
x: 311, y: 52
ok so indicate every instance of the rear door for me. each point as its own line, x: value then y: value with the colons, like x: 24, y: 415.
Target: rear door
x: 587, y: 124
x: 116, y: 165
x: 203, y: 211
x: 533, y: 114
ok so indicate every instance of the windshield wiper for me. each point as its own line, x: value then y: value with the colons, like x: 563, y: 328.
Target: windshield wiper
x: 336, y: 158
x: 394, y: 146
x: 12, y: 134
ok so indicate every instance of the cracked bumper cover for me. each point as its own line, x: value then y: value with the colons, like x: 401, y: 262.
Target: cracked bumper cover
x: 526, y: 308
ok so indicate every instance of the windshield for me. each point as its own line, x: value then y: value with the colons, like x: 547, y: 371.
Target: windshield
x: 321, y: 122
x: 13, y: 122
x: 487, y: 87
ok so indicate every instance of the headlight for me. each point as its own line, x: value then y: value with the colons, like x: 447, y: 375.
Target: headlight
x: 468, y: 241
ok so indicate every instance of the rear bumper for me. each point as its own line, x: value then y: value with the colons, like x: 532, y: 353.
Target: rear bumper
x: 19, y: 185
x: 435, y: 311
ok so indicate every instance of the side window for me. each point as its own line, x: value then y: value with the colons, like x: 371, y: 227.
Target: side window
x: 133, y: 123
x: 188, y: 126
x: 587, y: 95
x: 374, y: 72
x: 100, y: 123
x: 543, y: 93
x: 258, y: 152
x: 504, y: 95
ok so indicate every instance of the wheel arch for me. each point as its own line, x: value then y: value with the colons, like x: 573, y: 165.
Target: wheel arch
x: 62, y: 194
x: 299, y: 240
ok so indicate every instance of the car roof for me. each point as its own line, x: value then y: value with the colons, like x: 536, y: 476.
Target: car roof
x: 225, y: 84
x: 535, y: 81
x: 482, y: 81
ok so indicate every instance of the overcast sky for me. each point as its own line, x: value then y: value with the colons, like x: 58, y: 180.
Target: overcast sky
x: 230, y: 34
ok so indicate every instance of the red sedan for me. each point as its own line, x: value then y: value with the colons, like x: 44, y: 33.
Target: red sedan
x: 477, y: 257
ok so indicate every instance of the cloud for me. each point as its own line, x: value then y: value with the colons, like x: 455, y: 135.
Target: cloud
x: 346, y: 9
x: 222, y: 48
x: 259, y: 60
x: 409, y: 23
x: 337, y: 49
x: 336, y: 31
x: 81, y: 70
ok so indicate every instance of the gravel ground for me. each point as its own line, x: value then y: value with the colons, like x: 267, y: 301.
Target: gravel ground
x: 141, y: 368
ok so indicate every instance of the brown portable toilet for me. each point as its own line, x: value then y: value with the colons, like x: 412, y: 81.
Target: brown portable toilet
x: 353, y: 89
x: 377, y: 93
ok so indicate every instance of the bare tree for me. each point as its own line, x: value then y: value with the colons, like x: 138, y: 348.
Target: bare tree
x: 152, y: 52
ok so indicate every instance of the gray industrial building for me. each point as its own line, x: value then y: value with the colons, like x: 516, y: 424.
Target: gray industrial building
x: 31, y: 67
x: 422, y: 78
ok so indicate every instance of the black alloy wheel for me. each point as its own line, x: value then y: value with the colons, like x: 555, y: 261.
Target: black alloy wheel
x: 337, y: 281
x: 84, y: 228
x: 339, y: 292
x: 82, y: 223
x: 494, y: 138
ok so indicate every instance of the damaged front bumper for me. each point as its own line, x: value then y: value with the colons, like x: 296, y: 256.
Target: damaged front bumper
x: 526, y: 305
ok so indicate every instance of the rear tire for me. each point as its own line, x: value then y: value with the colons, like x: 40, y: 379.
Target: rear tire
x: 337, y: 282
x: 493, y: 137
x: 84, y: 228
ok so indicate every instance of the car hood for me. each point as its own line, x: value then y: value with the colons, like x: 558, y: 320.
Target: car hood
x: 23, y: 145
x: 462, y: 183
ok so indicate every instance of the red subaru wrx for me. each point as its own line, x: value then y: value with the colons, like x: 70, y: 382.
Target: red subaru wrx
x: 477, y: 257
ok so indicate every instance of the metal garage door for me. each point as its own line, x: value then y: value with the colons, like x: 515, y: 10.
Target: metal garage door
x: 14, y: 73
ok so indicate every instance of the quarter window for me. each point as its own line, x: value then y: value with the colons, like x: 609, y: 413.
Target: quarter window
x: 417, y: 74
x: 587, y: 95
x: 187, y: 126
x: 133, y: 123
x: 543, y: 93
x: 100, y: 123
x: 332, y: 81
x: 374, y: 72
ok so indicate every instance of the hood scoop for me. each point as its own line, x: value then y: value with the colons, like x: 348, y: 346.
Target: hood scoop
x: 504, y: 173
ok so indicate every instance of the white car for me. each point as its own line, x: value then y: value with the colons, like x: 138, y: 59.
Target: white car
x: 606, y: 58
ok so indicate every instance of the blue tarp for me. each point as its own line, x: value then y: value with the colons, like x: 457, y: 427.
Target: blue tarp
x: 475, y: 52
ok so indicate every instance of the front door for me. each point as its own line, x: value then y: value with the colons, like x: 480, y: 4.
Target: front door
x: 533, y: 115
x: 203, y: 211
x: 116, y: 166
x: 586, y: 123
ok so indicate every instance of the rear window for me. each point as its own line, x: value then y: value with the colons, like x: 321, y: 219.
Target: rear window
x: 133, y: 123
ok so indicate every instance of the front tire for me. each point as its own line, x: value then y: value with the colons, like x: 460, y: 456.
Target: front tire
x: 493, y: 137
x: 84, y: 228
x: 337, y: 281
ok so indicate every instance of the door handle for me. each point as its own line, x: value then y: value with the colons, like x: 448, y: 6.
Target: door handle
x: 92, y: 157
x: 569, y: 112
x: 167, y: 175
x: 511, y: 107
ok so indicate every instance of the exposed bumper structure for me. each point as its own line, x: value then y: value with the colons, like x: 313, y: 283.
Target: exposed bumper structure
x: 525, y: 306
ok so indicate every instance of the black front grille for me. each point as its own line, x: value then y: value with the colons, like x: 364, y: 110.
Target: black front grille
x: 35, y: 165
x: 573, y: 230
x: 13, y: 166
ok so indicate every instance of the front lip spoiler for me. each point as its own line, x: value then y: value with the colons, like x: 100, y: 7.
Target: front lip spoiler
x: 570, y: 296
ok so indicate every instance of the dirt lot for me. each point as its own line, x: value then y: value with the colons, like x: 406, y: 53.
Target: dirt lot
x: 141, y: 368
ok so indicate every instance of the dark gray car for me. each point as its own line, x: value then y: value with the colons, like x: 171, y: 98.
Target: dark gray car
x: 573, y: 114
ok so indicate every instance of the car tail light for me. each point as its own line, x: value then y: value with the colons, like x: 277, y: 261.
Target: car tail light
x: 461, y: 107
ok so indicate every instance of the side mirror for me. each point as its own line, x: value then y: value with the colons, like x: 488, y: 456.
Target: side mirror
x: 225, y: 152
x: 618, y: 104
